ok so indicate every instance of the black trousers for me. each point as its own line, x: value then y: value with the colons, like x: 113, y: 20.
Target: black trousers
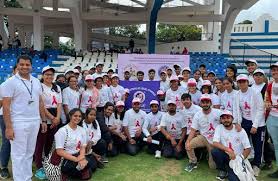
x: 269, y: 154
x: 133, y: 149
x: 100, y: 148
x: 153, y: 147
x: 119, y: 146
x: 169, y: 151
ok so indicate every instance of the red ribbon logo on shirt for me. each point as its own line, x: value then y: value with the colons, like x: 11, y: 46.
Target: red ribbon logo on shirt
x: 173, y: 127
x: 92, y: 135
x: 54, y: 101
x: 78, y: 145
x: 137, y: 124
x: 246, y: 106
x: 90, y: 99
x: 189, y: 121
x: 115, y: 96
x: 229, y: 105
x: 230, y: 146
x: 211, y: 128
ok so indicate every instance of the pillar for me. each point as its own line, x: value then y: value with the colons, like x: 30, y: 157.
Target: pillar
x: 3, y: 28
x: 38, y: 35
x: 11, y: 28
x: 55, y: 5
x: 21, y: 35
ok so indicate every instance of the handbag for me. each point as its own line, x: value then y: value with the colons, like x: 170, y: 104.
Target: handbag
x: 52, y: 164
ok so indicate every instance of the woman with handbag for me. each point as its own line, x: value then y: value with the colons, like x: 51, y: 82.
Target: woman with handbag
x: 52, y: 98
x: 71, y: 142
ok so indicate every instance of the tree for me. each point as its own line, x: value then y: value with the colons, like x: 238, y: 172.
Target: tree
x: 48, y: 42
x: 130, y: 31
x: 246, y: 22
x: 12, y: 4
x: 172, y: 33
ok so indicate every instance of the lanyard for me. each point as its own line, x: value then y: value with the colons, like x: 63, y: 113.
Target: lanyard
x: 30, y: 91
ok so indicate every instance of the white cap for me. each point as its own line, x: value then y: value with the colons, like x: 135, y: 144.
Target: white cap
x: 76, y: 71
x: 274, y: 65
x: 154, y: 102
x: 160, y: 92
x: 259, y: 71
x: 180, y: 76
x: 205, y: 97
x: 163, y: 72
x: 226, y: 112
x: 98, y: 76
x: 206, y: 83
x: 191, y: 81
x: 176, y: 65
x: 89, y: 77
x: 174, y: 77
x: 171, y: 102
x: 99, y: 63
x: 242, y: 77
x: 120, y: 103
x: 135, y: 100
x: 69, y: 70
x: 169, y: 68
x: 114, y: 75
x: 126, y: 90
x: 252, y: 61
x: 47, y: 68
x: 186, y: 69
x: 78, y: 65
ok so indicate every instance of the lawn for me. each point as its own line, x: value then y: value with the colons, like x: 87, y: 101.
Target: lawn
x: 144, y: 167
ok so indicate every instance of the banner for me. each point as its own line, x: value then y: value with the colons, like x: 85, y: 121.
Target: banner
x: 145, y: 90
x: 144, y: 62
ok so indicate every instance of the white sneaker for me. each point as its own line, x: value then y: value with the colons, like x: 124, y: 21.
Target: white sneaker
x: 256, y: 171
x: 157, y: 154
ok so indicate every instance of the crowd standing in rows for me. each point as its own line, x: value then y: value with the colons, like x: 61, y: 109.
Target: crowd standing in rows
x: 83, y: 114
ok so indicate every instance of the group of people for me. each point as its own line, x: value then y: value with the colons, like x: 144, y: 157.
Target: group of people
x: 83, y: 114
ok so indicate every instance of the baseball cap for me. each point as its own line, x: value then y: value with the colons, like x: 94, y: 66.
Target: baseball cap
x: 205, y: 97
x: 180, y: 76
x: 114, y: 75
x: 77, y: 66
x: 47, y: 68
x: 89, y: 77
x: 186, y: 69
x: 99, y: 63
x: 171, y: 102
x: 251, y: 61
x: 163, y: 72
x: 160, y: 92
x: 76, y: 71
x: 174, y: 77
x: 242, y: 77
x: 68, y: 71
x: 191, y: 81
x: 206, y: 83
x: 259, y: 71
x: 226, y: 112
x: 120, y: 103
x: 154, y: 102
x: 135, y: 100
x: 126, y: 90
x: 274, y: 65
x: 176, y: 66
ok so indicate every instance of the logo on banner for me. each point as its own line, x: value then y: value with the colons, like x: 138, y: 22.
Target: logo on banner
x: 139, y: 94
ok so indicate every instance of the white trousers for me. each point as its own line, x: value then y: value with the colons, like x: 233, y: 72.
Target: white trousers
x: 23, y: 148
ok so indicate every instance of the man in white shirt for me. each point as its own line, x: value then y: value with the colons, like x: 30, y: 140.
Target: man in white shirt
x: 151, y: 129
x: 173, y: 127
x: 23, y: 111
x: 251, y: 65
x: 205, y: 121
x: 164, y: 83
x: 99, y: 68
x: 161, y: 96
x: 132, y: 124
x: 228, y: 143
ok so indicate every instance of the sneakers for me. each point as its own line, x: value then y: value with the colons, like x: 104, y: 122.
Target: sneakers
x: 104, y: 159
x: 273, y: 175
x: 4, y: 173
x: 40, y: 174
x: 190, y: 167
x: 256, y: 171
x: 221, y: 175
x: 157, y: 154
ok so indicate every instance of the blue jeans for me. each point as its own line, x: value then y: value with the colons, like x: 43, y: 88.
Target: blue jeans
x: 6, y: 147
x: 272, y: 128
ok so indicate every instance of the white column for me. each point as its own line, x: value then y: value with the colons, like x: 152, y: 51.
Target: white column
x: 38, y: 29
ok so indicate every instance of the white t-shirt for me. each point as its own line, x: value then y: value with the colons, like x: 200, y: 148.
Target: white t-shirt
x: 93, y: 134
x: 188, y: 115
x: 251, y: 79
x: 97, y: 75
x: 175, y: 96
x: 71, y: 98
x: 134, y: 121
x: 237, y: 141
x: 105, y: 95
x: 173, y: 124
x: 76, y: 138
x: 51, y: 98
x: 117, y: 122
x: 274, y: 99
x: 23, y: 106
x: 245, y: 104
x: 196, y: 97
x: 215, y: 100
x: 117, y: 92
x: 152, y: 121
x: 200, y: 84
x: 87, y: 99
x: 164, y: 86
x: 227, y: 100
x: 184, y: 85
x: 258, y: 88
x: 206, y: 123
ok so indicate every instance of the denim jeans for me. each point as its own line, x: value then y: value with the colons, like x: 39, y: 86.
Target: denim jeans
x: 272, y: 127
x: 5, y: 147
